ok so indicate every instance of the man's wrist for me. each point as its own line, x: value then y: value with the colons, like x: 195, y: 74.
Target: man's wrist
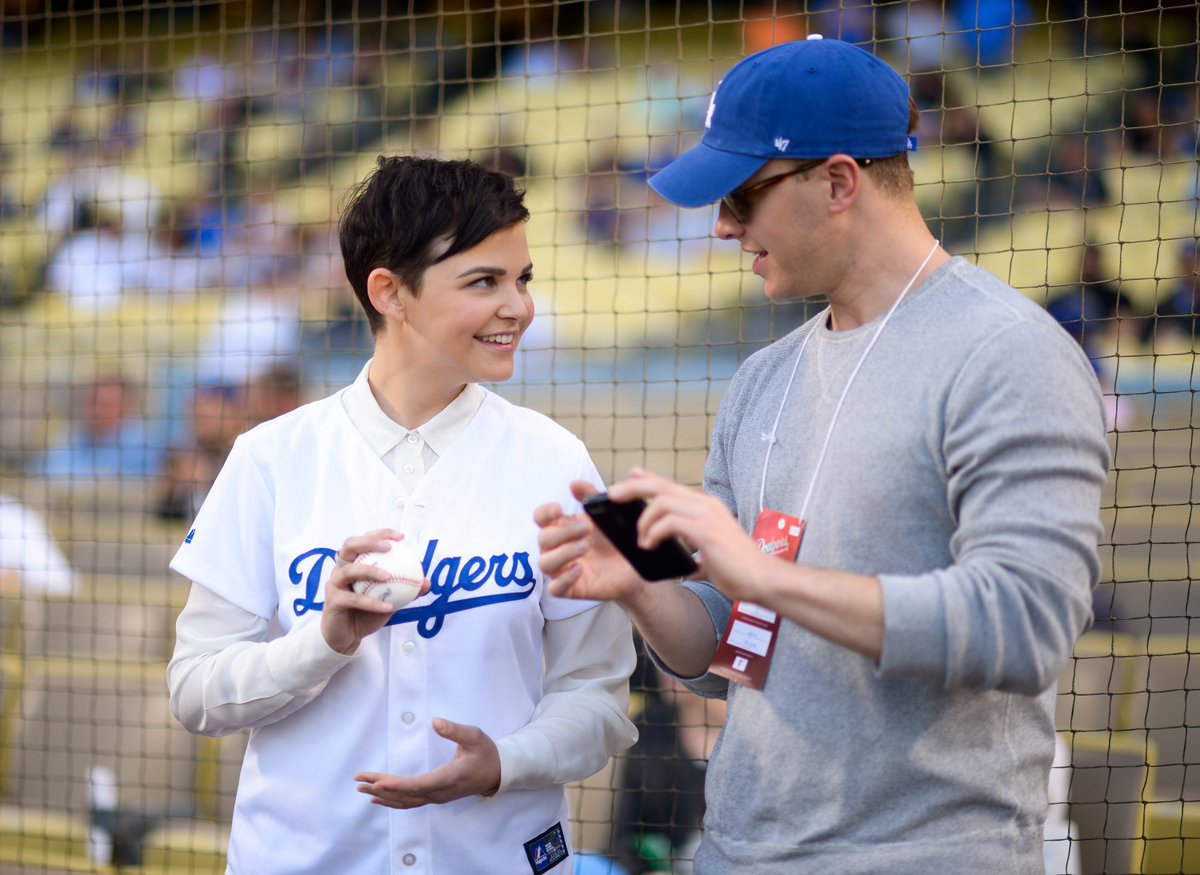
x: 642, y: 598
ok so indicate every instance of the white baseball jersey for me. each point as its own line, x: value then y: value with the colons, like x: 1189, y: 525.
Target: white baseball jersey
x: 470, y: 650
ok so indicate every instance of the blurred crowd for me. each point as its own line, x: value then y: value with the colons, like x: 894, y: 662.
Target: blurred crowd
x: 110, y: 230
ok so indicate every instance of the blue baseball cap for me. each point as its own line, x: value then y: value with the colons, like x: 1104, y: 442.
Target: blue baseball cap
x: 806, y: 99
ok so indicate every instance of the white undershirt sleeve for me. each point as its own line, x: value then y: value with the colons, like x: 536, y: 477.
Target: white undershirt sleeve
x: 581, y: 720
x: 225, y: 675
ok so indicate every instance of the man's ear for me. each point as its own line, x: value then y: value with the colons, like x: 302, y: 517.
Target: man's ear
x: 387, y: 293
x: 845, y: 181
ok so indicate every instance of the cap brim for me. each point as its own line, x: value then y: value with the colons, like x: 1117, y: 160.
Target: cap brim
x: 703, y: 175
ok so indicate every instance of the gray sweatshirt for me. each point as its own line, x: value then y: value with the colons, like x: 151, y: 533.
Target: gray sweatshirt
x: 965, y: 472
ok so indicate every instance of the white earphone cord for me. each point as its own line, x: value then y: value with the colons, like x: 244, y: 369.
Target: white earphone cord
x: 771, y: 439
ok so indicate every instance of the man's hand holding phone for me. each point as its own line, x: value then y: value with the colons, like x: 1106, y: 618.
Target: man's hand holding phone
x: 619, y: 523
x: 578, y: 560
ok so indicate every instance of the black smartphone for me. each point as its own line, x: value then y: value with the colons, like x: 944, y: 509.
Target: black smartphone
x: 619, y: 524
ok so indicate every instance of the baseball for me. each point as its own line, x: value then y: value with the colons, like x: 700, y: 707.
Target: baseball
x: 407, y: 575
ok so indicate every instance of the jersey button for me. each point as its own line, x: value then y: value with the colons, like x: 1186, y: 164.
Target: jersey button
x: 409, y: 646
x: 399, y: 502
x: 412, y: 439
x: 408, y: 469
x: 407, y: 718
x: 409, y: 859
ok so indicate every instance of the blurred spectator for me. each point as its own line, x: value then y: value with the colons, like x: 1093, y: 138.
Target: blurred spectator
x: 218, y: 144
x: 988, y: 30
x: 1102, y: 319
x: 218, y: 415
x: 769, y: 24
x: 1158, y: 124
x: 955, y: 122
x: 259, y: 243
x: 91, y: 181
x: 22, y: 22
x: 1176, y: 315
x: 660, y: 808
x: 274, y: 65
x: 330, y: 55
x: 205, y: 77
x: 920, y: 31
x: 108, y: 437
x: 273, y: 393
x: 620, y: 209
x: 255, y: 331
x: 88, y: 266
x: 200, y: 223
x: 540, y: 61
x: 321, y: 268
x: 215, y: 241
x: 1074, y: 165
x: 259, y: 325
x: 170, y: 257
x: 849, y: 20
x: 1095, y: 311
x: 10, y: 183
x: 27, y: 551
x: 100, y: 79
x: 614, y: 194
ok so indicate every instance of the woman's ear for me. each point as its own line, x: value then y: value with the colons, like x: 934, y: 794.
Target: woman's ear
x: 387, y: 293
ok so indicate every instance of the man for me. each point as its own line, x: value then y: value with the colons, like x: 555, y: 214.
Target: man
x: 30, y: 559
x: 108, y: 438
x: 927, y: 455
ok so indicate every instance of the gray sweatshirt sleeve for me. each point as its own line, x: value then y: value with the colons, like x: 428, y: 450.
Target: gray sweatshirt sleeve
x: 1026, y: 460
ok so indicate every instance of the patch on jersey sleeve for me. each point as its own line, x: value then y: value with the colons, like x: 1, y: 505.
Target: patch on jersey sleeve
x: 547, y: 850
x: 189, y: 537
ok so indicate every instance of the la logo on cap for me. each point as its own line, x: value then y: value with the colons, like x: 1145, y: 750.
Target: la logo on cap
x: 712, y: 105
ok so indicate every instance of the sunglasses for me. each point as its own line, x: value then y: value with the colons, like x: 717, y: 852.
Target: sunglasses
x: 739, y: 205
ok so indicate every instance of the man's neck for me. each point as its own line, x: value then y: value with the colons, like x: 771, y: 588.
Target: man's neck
x: 871, y: 290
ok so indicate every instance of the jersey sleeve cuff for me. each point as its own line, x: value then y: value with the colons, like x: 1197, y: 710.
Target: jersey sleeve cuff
x: 303, y: 659
x: 527, y: 761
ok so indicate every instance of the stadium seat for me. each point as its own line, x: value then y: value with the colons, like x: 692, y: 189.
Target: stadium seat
x: 1164, y: 709
x: 1110, y: 782
x: 45, y: 839
x: 1096, y: 682
x: 1172, y: 838
x: 196, y: 847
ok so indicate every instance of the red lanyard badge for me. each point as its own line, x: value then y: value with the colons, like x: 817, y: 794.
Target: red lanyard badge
x: 744, y: 654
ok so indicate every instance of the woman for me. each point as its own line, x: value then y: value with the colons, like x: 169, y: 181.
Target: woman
x: 440, y: 711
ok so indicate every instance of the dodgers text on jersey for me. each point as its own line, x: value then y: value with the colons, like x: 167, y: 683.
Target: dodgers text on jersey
x: 511, y: 577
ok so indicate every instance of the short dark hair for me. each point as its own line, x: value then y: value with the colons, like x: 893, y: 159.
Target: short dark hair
x: 407, y: 206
